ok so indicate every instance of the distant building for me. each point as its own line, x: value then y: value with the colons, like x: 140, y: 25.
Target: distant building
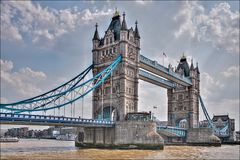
x: 68, y: 130
x: 225, y: 127
x: 17, y: 132
x: 237, y: 136
x: 162, y: 123
x: 138, y: 116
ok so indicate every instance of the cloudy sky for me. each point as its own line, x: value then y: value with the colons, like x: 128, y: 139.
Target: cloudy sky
x: 44, y: 44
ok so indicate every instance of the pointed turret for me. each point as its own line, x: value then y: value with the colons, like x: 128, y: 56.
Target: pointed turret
x: 124, y: 24
x: 197, y: 69
x: 191, y: 67
x: 183, y: 65
x: 136, y: 33
x: 96, y: 36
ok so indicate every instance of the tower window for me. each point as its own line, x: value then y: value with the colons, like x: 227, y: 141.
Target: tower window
x: 180, y: 96
x: 110, y: 40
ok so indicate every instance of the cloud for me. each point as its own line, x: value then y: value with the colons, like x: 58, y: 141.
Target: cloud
x: 22, y: 20
x: 24, y: 82
x: 209, y: 85
x: 219, y: 26
x: 232, y: 71
x: 225, y: 106
x: 142, y: 2
x: 3, y: 100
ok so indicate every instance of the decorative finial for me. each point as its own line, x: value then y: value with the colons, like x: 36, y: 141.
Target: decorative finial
x: 183, y: 56
x: 192, y: 60
x: 96, y: 25
x: 136, y: 22
x: 124, y: 14
x: 116, y: 12
x: 197, y: 64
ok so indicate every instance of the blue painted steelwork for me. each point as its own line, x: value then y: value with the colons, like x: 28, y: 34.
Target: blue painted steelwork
x: 68, y: 93
x: 10, y: 118
x: 221, y: 132
x: 156, y: 65
x: 54, y: 92
x: 163, y: 82
x: 181, y: 132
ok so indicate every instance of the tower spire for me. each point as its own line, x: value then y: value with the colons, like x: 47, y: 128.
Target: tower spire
x: 116, y: 13
x: 136, y: 33
x: 191, y: 67
x: 96, y: 36
x: 197, y: 69
x: 124, y: 24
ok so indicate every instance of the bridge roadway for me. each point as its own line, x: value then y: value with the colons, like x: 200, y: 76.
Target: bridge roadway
x: 156, y: 68
x: 28, y: 119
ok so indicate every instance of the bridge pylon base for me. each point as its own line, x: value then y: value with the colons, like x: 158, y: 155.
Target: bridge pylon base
x: 202, y: 136
x: 124, y: 135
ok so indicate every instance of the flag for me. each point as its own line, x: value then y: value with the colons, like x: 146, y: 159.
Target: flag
x: 154, y: 107
x: 164, y: 54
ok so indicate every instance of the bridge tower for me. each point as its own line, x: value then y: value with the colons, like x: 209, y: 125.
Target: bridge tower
x: 119, y: 93
x: 183, y: 103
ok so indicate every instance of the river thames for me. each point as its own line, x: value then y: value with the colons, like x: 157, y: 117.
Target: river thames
x: 54, y: 149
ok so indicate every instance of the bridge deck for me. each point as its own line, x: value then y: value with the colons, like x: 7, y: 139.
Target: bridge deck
x: 27, y: 119
x: 156, y: 68
x: 148, y: 77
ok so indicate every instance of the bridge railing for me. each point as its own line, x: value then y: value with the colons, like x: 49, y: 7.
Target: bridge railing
x: 28, y: 117
x: 158, y: 66
x: 181, y: 132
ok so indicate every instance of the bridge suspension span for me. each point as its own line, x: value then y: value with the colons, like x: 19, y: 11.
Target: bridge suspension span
x: 65, y: 94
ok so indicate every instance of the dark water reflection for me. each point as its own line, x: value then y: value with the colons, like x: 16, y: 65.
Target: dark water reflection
x: 53, y: 149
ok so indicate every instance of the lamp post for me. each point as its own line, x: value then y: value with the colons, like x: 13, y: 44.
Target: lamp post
x: 154, y: 107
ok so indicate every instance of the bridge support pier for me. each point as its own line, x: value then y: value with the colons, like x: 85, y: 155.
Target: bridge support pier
x: 202, y: 136
x: 124, y: 135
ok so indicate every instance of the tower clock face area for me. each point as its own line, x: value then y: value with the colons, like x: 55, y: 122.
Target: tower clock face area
x: 117, y: 96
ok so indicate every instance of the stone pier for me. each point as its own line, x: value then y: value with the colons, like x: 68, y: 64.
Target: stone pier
x: 202, y: 136
x: 125, y: 135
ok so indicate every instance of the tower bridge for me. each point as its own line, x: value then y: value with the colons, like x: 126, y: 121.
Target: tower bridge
x: 117, y: 67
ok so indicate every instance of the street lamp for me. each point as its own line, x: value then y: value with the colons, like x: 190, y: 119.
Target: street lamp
x: 154, y: 107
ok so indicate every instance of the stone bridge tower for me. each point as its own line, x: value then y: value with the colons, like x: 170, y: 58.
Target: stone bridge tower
x: 119, y: 93
x: 183, y: 103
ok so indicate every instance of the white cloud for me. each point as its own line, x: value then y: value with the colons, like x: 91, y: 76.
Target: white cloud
x: 20, y: 19
x: 24, y: 82
x: 232, y: 71
x: 209, y: 85
x: 3, y: 100
x: 142, y: 2
x: 225, y: 106
x: 220, y: 25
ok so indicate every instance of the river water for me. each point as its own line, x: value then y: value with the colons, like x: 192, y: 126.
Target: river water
x: 54, y: 149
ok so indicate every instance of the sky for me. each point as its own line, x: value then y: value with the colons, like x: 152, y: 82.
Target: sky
x: 46, y: 43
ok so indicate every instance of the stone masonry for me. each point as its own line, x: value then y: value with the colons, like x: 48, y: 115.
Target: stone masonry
x: 119, y: 93
x: 183, y: 103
